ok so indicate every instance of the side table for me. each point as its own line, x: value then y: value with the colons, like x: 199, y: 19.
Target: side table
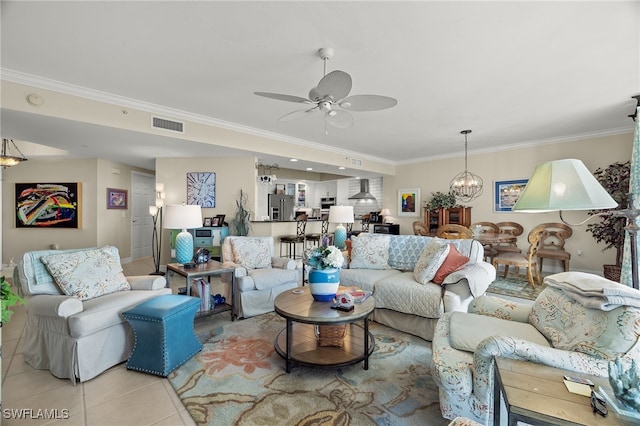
x: 536, y: 394
x: 209, y: 269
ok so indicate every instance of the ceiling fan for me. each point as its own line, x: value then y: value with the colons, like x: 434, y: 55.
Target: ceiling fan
x: 330, y: 98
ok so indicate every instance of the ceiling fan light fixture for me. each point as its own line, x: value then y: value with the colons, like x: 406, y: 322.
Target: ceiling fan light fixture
x: 331, y: 96
x: 6, y: 158
x: 466, y: 186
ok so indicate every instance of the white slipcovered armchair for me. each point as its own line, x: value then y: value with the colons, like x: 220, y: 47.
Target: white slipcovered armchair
x: 77, y: 331
x: 558, y: 331
x: 259, y: 275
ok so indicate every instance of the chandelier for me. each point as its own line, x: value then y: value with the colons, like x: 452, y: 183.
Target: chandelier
x: 8, y: 160
x: 466, y: 186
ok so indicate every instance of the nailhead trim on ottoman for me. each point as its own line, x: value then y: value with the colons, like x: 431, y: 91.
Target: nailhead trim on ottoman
x: 164, y: 334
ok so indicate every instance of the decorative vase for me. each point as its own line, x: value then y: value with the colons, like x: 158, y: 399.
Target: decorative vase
x: 324, y: 283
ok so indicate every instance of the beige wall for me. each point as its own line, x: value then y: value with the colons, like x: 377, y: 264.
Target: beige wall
x: 232, y: 174
x: 99, y: 226
x: 434, y: 176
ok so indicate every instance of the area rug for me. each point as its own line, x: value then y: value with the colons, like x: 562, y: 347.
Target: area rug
x: 515, y: 285
x: 239, y: 379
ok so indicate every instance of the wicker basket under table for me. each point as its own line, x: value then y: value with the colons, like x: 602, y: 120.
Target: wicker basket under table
x: 331, y: 335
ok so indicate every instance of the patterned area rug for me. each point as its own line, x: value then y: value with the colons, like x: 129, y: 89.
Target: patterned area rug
x: 238, y: 378
x: 515, y: 285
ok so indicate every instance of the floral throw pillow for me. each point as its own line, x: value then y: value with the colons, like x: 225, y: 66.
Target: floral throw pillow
x: 432, y: 257
x: 252, y: 253
x: 87, y: 274
x: 370, y: 252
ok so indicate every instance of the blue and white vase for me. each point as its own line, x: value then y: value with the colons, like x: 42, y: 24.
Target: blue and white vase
x: 324, y: 283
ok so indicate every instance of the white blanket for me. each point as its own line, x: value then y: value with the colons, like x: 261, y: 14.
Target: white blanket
x: 593, y: 291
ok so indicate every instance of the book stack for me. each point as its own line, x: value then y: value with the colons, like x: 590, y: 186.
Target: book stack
x: 358, y: 294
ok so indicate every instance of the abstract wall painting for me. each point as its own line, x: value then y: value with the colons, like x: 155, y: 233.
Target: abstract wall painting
x: 48, y: 205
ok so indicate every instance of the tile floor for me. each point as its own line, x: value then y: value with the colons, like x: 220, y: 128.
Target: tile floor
x: 116, y: 397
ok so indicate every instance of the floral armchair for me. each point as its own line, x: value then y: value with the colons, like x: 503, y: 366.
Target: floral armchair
x: 556, y: 331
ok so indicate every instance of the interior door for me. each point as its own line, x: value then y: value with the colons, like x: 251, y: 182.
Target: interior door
x: 143, y: 196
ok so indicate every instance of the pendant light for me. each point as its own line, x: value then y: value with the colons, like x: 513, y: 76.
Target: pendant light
x: 8, y: 160
x: 466, y: 186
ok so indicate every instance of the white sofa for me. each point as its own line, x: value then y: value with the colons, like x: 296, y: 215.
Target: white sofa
x: 74, y: 338
x: 385, y: 265
x: 260, y: 276
x: 557, y: 331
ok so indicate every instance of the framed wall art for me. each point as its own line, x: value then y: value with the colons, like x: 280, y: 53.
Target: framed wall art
x: 116, y: 198
x: 201, y: 189
x: 48, y: 205
x: 409, y: 202
x: 506, y: 194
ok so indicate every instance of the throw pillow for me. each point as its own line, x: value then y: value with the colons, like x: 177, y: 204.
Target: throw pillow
x: 87, y: 274
x: 370, y: 252
x: 454, y: 262
x: 252, y: 253
x: 431, y: 258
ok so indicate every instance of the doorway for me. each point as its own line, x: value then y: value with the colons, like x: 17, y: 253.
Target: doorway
x: 143, y: 195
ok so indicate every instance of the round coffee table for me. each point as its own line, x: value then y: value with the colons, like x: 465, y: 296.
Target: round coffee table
x: 298, y: 343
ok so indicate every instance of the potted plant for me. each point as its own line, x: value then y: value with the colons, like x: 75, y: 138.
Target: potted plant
x: 9, y: 298
x: 240, y: 221
x: 610, y: 229
x: 440, y: 200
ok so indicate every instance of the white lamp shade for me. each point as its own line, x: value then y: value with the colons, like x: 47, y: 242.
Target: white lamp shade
x: 182, y: 217
x: 385, y: 212
x: 153, y: 210
x: 563, y: 185
x: 341, y: 214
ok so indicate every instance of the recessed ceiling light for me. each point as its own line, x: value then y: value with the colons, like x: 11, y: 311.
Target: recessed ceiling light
x: 309, y: 168
x: 293, y: 159
x: 341, y: 168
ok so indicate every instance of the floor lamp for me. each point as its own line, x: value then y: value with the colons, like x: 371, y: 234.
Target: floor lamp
x: 156, y: 237
x: 568, y: 185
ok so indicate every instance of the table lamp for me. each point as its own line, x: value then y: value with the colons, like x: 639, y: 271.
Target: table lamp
x: 383, y: 213
x: 340, y: 215
x: 183, y: 217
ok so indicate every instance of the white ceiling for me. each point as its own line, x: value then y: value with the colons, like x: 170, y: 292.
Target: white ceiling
x: 514, y: 72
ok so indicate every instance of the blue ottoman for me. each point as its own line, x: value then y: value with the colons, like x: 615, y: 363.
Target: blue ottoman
x: 163, y: 328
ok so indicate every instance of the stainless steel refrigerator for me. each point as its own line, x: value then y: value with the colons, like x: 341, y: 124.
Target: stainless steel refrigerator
x: 281, y: 207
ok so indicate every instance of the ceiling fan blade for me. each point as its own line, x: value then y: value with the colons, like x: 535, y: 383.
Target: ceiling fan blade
x: 281, y: 97
x: 367, y: 103
x: 334, y: 86
x: 296, y: 114
x: 339, y: 118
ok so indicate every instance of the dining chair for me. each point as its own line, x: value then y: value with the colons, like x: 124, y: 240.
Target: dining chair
x: 293, y: 240
x: 511, y: 228
x: 486, y: 228
x: 552, y: 243
x: 420, y: 228
x: 519, y: 260
x: 454, y: 232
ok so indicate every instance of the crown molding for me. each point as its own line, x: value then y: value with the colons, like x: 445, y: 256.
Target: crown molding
x: 168, y: 112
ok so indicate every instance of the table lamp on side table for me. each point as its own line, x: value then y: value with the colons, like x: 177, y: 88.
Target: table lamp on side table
x: 183, y: 217
x: 340, y: 215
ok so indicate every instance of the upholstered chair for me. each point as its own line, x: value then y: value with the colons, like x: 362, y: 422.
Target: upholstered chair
x: 259, y: 275
x: 75, y: 328
x: 561, y: 329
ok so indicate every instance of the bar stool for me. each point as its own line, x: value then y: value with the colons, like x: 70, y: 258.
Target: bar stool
x: 315, y: 238
x: 293, y: 240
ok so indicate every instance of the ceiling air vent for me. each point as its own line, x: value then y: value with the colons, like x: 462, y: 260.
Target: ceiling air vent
x: 163, y: 123
x: 356, y: 162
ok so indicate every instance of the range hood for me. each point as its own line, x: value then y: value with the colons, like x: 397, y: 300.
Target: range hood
x: 364, y: 193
